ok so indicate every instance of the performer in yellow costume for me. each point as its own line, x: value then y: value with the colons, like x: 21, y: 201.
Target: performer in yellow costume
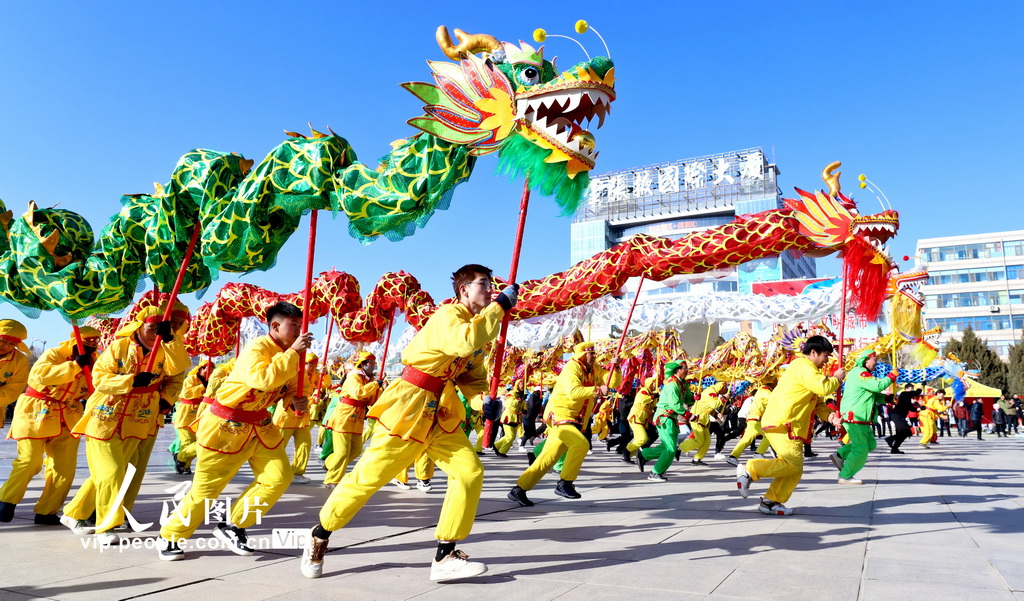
x: 44, y: 416
x: 640, y: 417
x: 185, y: 412
x: 297, y: 425
x: 13, y: 364
x: 346, y: 423
x: 568, y: 412
x: 710, y: 402
x: 511, y: 419
x: 753, y: 427
x: 931, y: 409
x: 421, y: 413
x: 120, y: 414
x: 237, y: 428
x: 170, y: 391
x: 787, y: 424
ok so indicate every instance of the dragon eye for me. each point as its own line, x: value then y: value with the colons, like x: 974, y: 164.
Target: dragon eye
x: 529, y: 76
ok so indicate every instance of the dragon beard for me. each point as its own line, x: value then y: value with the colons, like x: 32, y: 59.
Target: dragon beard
x: 866, y: 273
x: 518, y: 157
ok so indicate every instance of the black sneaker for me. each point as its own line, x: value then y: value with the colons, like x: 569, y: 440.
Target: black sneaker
x: 609, y: 444
x: 698, y: 462
x: 179, y: 466
x: 169, y: 550
x: 518, y: 495
x: 51, y: 519
x: 896, y: 452
x: 566, y: 489
x: 626, y: 458
x: 500, y: 454
x: 679, y: 454
x: 641, y: 461
x: 888, y: 441
x: 7, y: 512
x: 234, y: 537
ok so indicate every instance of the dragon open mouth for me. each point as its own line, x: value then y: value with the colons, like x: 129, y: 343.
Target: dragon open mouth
x: 877, y: 229
x: 560, y: 116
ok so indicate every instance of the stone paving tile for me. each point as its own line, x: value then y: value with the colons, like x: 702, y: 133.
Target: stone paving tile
x: 897, y: 590
x: 590, y: 592
x: 821, y: 587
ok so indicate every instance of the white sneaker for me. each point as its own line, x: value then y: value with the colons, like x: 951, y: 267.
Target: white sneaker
x: 312, y: 563
x: 719, y: 455
x: 852, y: 481
x: 837, y: 461
x: 107, y: 538
x: 732, y: 460
x: 772, y: 508
x: 454, y: 566
x: 743, y: 481
x: 169, y: 550
x: 300, y: 479
x: 524, y: 450
x: 655, y: 477
x: 329, y: 486
x: 589, y: 452
x: 759, y: 456
x: 400, y: 484
x: 424, y: 485
x: 79, y: 527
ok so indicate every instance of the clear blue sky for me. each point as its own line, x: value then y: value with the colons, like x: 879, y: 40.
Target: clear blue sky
x: 923, y: 97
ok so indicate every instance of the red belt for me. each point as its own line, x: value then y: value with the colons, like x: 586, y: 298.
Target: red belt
x: 209, y: 400
x: 424, y: 380
x: 32, y: 392
x: 193, y: 402
x: 237, y: 415
x: 144, y: 390
x: 355, y: 403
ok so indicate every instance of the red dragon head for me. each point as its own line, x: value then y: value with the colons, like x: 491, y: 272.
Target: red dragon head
x: 832, y: 222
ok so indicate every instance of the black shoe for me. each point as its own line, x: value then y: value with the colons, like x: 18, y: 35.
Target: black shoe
x: 888, y: 441
x: 609, y: 444
x: 7, y: 512
x: 500, y: 454
x: 518, y: 495
x: 698, y: 462
x: 169, y: 550
x: 47, y: 519
x: 530, y: 457
x: 679, y: 454
x: 234, y: 538
x: 897, y: 452
x: 641, y: 461
x: 179, y: 466
x: 811, y: 454
x: 567, y: 490
x: 626, y: 458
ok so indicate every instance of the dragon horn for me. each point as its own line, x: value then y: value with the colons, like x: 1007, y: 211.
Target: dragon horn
x: 468, y: 44
x: 832, y: 179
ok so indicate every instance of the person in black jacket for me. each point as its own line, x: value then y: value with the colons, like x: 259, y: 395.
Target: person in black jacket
x: 904, y: 405
x: 534, y: 405
x: 977, y: 412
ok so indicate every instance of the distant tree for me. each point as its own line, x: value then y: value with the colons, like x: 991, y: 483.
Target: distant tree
x: 1015, y: 378
x: 974, y: 351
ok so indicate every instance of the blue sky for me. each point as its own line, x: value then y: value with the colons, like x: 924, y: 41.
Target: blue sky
x: 925, y: 98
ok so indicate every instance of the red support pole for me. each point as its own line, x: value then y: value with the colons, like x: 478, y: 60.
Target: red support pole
x: 387, y: 342
x: 307, y: 296
x: 81, y: 351
x: 842, y: 324
x: 499, y: 349
x: 327, y: 348
x: 174, y: 292
x: 625, y: 328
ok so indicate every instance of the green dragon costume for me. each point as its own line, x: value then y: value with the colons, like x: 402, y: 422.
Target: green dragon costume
x: 508, y: 100
x: 862, y: 393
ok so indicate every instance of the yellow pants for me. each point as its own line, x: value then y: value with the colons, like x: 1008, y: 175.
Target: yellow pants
x: 786, y: 469
x: 561, y: 439
x: 749, y: 434
x: 368, y: 430
x: 303, y: 443
x: 215, y: 470
x: 62, y: 459
x: 700, y: 442
x: 479, y: 446
x: 928, y: 430
x: 346, y: 448
x: 187, y: 450
x: 423, y: 468
x: 108, y: 460
x: 387, y: 455
x: 639, y: 438
x: 512, y: 434
x: 140, y: 459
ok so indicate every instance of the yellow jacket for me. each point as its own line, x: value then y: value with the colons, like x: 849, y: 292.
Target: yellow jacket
x: 192, y: 392
x: 56, y: 376
x: 710, y: 401
x: 643, y: 407
x: 348, y: 418
x: 254, y: 384
x: 114, y: 407
x: 13, y: 379
x: 284, y: 415
x: 512, y: 412
x: 799, y: 395
x: 450, y: 346
x: 759, y: 403
x: 572, y: 398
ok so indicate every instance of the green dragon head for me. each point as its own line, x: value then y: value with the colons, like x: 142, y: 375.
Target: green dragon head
x: 512, y: 100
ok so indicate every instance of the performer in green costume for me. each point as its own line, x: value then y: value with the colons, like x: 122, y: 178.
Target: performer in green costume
x: 673, y: 403
x: 861, y: 397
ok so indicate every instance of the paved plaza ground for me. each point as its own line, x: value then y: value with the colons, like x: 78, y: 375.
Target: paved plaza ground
x: 936, y: 524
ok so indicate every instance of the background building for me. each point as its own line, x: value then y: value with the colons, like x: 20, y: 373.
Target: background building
x: 677, y: 198
x: 978, y: 281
